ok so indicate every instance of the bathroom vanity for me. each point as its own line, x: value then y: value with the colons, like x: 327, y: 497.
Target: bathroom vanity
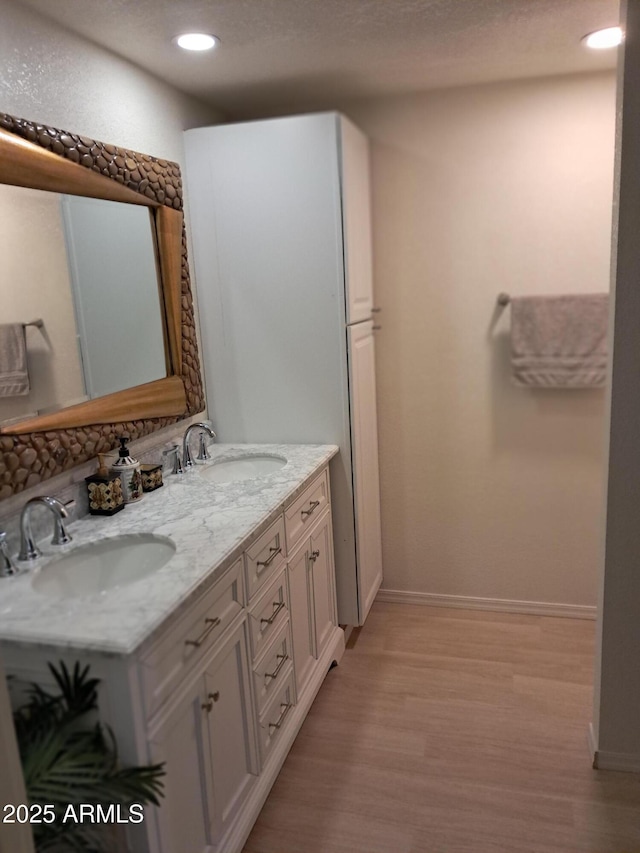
x: 210, y: 662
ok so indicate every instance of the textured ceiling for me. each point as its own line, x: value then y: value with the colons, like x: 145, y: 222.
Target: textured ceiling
x: 284, y: 54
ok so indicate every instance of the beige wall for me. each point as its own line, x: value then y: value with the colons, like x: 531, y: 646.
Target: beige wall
x: 35, y: 284
x: 488, y: 490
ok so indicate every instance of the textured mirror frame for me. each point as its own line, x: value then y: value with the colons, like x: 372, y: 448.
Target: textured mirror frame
x: 44, y: 157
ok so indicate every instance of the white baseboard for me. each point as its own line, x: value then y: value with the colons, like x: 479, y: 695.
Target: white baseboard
x: 625, y: 762
x: 593, y: 745
x: 503, y: 605
x: 622, y: 761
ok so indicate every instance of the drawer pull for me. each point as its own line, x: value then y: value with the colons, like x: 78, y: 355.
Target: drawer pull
x: 287, y: 707
x: 276, y: 672
x: 212, y: 697
x: 314, y: 556
x: 313, y: 505
x: 269, y: 560
x: 272, y: 618
x: 211, y: 624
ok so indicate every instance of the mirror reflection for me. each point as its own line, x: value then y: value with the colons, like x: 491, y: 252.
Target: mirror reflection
x: 86, y: 268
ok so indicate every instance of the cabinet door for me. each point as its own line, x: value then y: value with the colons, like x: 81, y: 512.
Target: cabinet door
x: 356, y: 213
x: 230, y: 724
x: 364, y: 440
x: 303, y: 633
x: 322, y: 575
x: 183, y: 819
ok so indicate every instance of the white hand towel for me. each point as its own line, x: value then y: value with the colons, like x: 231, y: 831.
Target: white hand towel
x: 559, y: 341
x: 14, y: 376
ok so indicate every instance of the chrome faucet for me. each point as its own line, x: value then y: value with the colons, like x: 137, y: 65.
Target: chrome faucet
x: 29, y: 551
x: 202, y: 456
x: 6, y: 566
x: 176, y: 459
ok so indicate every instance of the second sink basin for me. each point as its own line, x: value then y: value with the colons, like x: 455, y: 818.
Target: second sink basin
x: 242, y: 468
x: 104, y: 565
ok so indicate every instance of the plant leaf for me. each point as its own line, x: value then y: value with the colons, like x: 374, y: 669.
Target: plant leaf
x: 68, y: 759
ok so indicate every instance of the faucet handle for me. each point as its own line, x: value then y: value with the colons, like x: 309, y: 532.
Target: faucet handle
x: 203, y: 455
x: 177, y: 461
x: 6, y: 565
x: 60, y: 535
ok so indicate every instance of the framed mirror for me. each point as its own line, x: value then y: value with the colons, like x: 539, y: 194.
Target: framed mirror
x: 131, y: 349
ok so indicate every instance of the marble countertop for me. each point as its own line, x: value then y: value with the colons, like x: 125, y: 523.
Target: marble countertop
x: 210, y: 524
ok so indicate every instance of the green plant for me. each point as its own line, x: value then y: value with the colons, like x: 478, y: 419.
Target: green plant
x: 69, y: 758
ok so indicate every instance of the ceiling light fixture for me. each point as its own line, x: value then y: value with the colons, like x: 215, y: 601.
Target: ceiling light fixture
x: 600, y: 39
x: 196, y: 41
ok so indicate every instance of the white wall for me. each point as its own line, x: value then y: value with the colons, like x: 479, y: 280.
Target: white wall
x: 488, y: 490
x: 52, y: 76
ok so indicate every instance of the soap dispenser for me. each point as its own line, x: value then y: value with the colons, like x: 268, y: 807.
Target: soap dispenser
x: 105, y: 490
x: 129, y: 470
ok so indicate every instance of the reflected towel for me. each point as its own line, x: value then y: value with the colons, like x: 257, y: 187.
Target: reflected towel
x: 14, y: 376
x: 559, y: 341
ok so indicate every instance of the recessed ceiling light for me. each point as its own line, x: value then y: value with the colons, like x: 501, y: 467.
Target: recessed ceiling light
x: 600, y: 39
x: 196, y: 41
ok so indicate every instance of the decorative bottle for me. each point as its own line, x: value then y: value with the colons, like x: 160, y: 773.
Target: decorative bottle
x: 105, y: 490
x: 129, y: 470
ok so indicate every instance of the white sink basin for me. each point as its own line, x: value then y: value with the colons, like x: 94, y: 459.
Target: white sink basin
x: 242, y: 468
x: 104, y: 565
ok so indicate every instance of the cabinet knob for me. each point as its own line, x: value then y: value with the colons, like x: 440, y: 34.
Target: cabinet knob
x: 212, y: 697
x: 282, y: 659
x: 313, y: 505
x: 211, y: 624
x: 277, y: 605
x: 314, y: 556
x: 274, y: 553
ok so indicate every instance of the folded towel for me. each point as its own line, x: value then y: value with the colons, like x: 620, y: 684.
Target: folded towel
x: 14, y: 377
x: 559, y: 341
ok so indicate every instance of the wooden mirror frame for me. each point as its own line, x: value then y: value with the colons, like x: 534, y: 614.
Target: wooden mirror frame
x: 42, y: 157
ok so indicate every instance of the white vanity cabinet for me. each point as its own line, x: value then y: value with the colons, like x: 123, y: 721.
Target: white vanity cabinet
x: 310, y: 569
x: 313, y: 608
x: 230, y: 731
x: 322, y: 577
x: 178, y: 740
x: 220, y: 694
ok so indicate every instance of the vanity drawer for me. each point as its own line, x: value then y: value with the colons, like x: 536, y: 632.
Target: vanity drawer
x: 273, y: 668
x: 268, y: 613
x: 306, y: 509
x: 265, y: 556
x: 194, y: 635
x: 275, y: 717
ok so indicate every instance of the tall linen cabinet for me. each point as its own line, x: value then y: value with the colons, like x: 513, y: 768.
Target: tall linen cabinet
x: 281, y: 224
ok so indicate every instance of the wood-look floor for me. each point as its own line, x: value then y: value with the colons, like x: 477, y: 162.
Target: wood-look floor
x: 451, y: 731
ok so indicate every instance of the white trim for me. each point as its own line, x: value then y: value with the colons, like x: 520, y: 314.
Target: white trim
x: 623, y: 761
x: 626, y: 762
x: 504, y: 605
x: 593, y: 745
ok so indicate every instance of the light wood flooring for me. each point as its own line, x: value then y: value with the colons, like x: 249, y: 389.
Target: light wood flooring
x: 451, y: 731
